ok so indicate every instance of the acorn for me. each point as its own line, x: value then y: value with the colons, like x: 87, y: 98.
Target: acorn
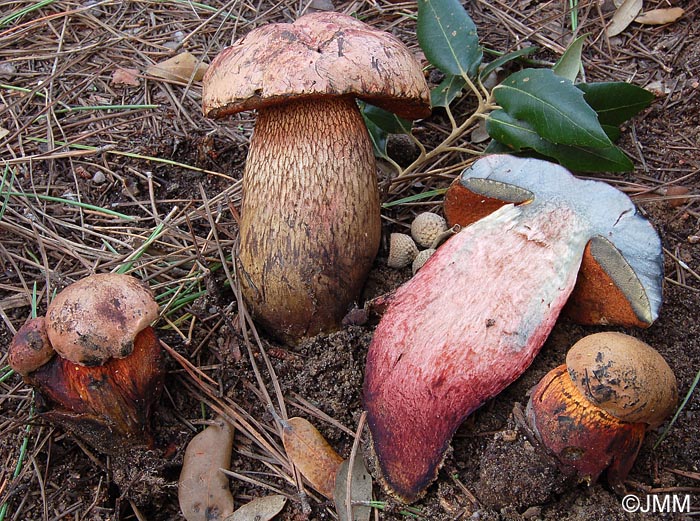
x: 593, y: 412
x: 426, y: 227
x: 402, y: 250
x: 421, y: 259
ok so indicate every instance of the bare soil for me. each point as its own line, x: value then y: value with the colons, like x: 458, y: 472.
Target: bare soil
x: 63, y: 55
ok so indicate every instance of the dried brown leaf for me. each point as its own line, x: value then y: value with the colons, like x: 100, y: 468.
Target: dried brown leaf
x: 660, y: 16
x: 624, y: 16
x: 128, y: 77
x: 312, y: 455
x: 260, y: 509
x: 179, y: 68
x: 203, y: 490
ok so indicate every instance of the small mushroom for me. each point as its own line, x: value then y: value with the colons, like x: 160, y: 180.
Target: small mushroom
x: 474, y: 317
x: 108, y: 367
x: 98, y: 318
x: 310, y: 220
x: 402, y: 250
x: 592, y: 413
x: 427, y: 227
x: 30, y: 348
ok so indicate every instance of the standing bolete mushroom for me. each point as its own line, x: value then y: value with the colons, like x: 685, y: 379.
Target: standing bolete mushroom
x: 95, y: 360
x: 474, y: 317
x: 592, y: 413
x: 310, y: 220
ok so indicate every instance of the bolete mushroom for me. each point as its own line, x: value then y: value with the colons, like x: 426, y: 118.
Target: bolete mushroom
x: 474, y: 317
x: 95, y: 360
x: 592, y: 412
x: 310, y: 219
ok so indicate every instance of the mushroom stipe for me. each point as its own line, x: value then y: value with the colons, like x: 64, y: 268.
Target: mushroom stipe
x: 310, y: 218
x: 474, y: 317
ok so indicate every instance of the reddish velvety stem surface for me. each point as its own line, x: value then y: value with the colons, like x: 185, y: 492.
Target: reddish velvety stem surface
x: 465, y: 327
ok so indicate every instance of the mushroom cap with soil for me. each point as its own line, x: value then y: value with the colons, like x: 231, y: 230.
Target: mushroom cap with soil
x: 98, y: 318
x: 95, y: 360
x: 592, y: 413
x: 310, y: 219
x: 30, y: 347
x: 623, y: 376
x: 474, y: 317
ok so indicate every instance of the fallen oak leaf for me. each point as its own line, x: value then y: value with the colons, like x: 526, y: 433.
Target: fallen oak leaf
x: 203, y: 490
x: 660, y: 16
x: 311, y: 454
x: 624, y: 16
x: 259, y: 509
x: 125, y: 76
x: 179, y: 68
x: 360, y: 486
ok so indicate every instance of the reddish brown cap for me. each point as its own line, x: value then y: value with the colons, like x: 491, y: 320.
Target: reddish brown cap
x: 30, y: 348
x: 98, y: 317
x: 321, y: 54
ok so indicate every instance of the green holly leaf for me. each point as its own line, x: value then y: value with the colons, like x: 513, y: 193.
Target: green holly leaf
x: 447, y: 36
x: 617, y: 101
x: 378, y: 137
x: 447, y: 91
x: 569, y: 65
x: 520, y: 136
x: 385, y: 120
x: 502, y: 60
x: 552, y: 106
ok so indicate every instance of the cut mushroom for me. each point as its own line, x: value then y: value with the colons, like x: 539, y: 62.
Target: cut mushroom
x: 109, y: 401
x: 473, y: 318
x: 310, y: 223
x: 592, y: 412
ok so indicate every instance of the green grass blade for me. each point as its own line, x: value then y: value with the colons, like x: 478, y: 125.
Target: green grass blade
x: 678, y: 412
x: 69, y: 202
x: 12, y: 17
x: 416, y: 197
x: 128, y: 154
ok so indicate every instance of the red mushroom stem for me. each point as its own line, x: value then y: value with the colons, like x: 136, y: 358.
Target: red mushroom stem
x: 473, y: 318
x: 106, y: 403
x: 425, y: 377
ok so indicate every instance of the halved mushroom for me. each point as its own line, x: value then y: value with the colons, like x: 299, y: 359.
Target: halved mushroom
x: 108, y: 367
x: 592, y: 413
x: 474, y: 317
x: 310, y: 220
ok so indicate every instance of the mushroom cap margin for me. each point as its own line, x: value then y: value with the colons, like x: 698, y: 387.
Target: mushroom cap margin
x: 320, y: 54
